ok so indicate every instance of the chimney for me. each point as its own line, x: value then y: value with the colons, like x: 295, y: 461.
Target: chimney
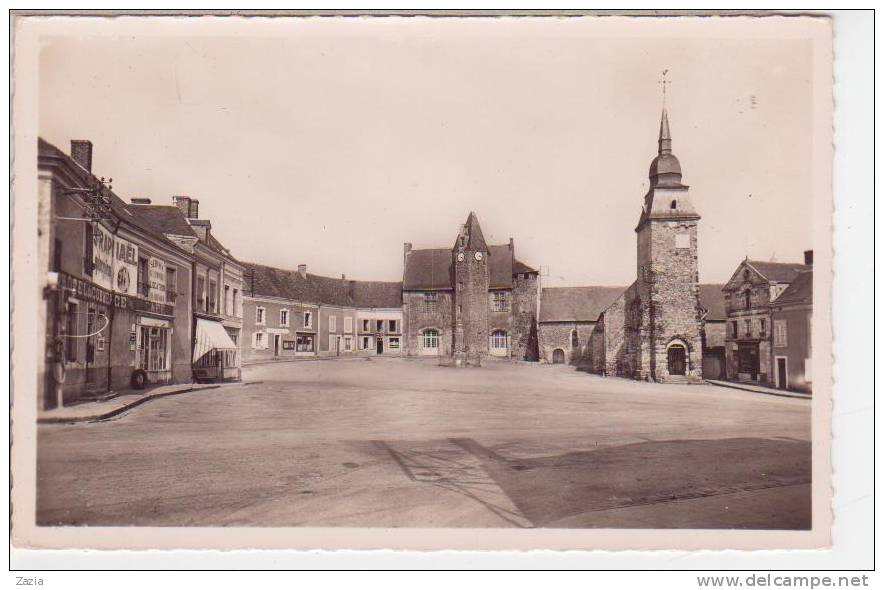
x: 343, y: 277
x: 302, y: 270
x: 183, y: 203
x: 140, y: 201
x: 189, y: 207
x: 406, y: 252
x: 808, y: 257
x: 81, y: 153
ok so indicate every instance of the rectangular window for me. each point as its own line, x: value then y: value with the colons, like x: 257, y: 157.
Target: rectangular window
x: 201, y: 293
x: 332, y: 324
x: 762, y: 328
x: 366, y: 325
x: 747, y: 324
x: 305, y: 343
x: 780, y: 336
x: 392, y: 324
x: 348, y: 343
x: 259, y: 316
x: 430, y: 302
x: 143, y: 284
x: 500, y: 301
x: 394, y: 343
x: 171, y: 284
x: 348, y: 325
x: 236, y: 309
x: 365, y: 341
x: 226, y: 299
x: 259, y: 340
x: 379, y: 325
x: 308, y: 319
x: 284, y: 317
x: 734, y: 329
x: 213, y: 296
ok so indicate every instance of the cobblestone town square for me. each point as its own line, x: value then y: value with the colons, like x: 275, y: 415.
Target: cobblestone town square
x: 336, y: 443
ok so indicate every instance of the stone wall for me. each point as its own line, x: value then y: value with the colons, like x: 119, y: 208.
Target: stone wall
x: 471, y: 306
x: 416, y: 319
x: 557, y: 335
x: 525, y: 300
x: 674, y: 306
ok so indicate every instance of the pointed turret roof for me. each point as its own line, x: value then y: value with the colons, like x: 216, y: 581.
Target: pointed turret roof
x: 472, y: 235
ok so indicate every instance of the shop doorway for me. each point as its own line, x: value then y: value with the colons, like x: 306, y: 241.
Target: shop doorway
x: 380, y: 345
x: 676, y: 359
x: 276, y: 339
x: 782, y: 373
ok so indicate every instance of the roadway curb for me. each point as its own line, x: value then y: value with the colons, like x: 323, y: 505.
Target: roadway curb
x: 774, y: 393
x: 119, y: 410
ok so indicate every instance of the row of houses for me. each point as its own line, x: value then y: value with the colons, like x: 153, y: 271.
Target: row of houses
x: 134, y: 293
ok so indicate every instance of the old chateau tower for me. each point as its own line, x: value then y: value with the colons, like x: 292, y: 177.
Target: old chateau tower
x: 666, y: 317
x: 470, y: 260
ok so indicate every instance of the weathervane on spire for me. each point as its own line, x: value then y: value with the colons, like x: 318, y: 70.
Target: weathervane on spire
x: 663, y: 81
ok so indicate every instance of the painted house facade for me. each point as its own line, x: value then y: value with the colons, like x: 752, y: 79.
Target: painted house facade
x: 215, y: 298
x: 295, y: 314
x: 792, y: 326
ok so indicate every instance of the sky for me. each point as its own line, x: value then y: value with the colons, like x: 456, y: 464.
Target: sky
x: 330, y: 142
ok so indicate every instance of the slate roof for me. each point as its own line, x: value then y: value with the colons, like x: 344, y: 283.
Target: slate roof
x: 778, y: 272
x: 576, y: 304
x: 712, y: 300
x: 164, y: 219
x: 431, y: 269
x: 475, y: 238
x: 289, y: 284
x: 376, y: 294
x: 800, y: 291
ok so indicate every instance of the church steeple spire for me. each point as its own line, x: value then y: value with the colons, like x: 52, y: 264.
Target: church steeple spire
x: 664, y: 142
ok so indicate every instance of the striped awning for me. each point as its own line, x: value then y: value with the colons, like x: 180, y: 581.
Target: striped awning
x: 210, y: 336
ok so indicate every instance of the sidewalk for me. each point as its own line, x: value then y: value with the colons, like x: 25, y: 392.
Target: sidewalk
x: 125, y: 400
x: 759, y: 389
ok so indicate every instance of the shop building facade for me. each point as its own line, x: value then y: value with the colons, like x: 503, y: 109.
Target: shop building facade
x: 113, y: 318
x: 748, y: 295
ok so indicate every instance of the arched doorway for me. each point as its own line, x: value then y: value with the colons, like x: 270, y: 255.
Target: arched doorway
x: 677, y: 359
x: 558, y: 356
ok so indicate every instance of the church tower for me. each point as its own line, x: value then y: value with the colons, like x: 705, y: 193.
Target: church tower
x: 669, y: 346
x: 471, y: 279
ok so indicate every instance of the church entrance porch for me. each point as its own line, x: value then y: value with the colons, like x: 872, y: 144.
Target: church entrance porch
x: 676, y: 360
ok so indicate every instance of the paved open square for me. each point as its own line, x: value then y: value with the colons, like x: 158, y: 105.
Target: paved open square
x: 406, y: 443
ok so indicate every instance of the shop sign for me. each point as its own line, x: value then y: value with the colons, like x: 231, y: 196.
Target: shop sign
x: 156, y: 277
x: 125, y: 267
x: 89, y: 291
x: 102, y: 257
